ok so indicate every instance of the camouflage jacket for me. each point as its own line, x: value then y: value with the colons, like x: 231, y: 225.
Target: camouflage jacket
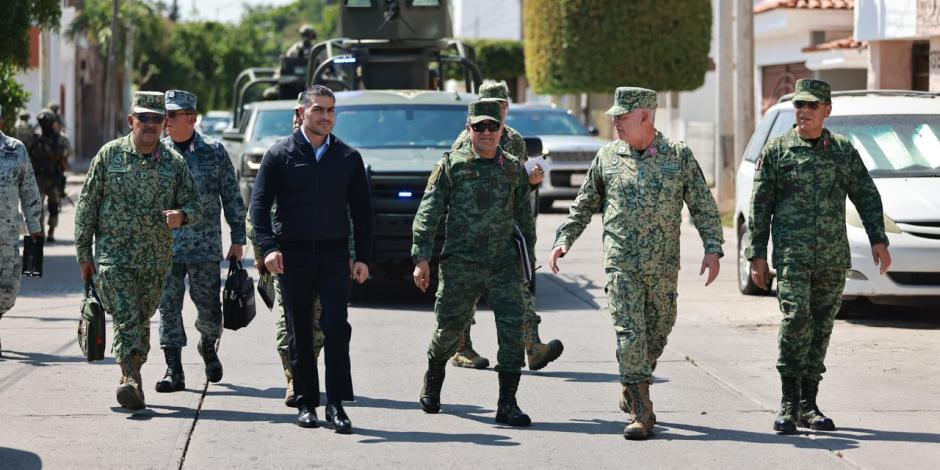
x: 483, y: 199
x: 215, y: 180
x: 17, y: 189
x: 49, y: 155
x: 642, y: 194
x: 801, y: 190
x: 511, y: 142
x: 122, y: 203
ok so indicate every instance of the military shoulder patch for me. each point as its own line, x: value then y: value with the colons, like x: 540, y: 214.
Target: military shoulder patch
x: 432, y: 180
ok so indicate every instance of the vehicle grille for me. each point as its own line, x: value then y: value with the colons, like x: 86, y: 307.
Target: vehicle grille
x: 915, y: 278
x: 563, y: 156
x: 395, y: 212
x: 562, y: 178
x: 929, y: 230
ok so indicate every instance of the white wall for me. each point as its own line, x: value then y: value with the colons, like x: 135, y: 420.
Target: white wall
x: 877, y: 20
x: 491, y: 19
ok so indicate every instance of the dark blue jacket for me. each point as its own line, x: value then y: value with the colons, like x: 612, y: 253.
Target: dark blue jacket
x: 312, y: 197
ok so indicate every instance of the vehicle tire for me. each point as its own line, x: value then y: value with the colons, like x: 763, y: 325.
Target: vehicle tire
x: 545, y: 204
x: 745, y: 284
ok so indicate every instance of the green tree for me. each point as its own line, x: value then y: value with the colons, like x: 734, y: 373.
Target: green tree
x: 576, y: 46
x: 16, y: 19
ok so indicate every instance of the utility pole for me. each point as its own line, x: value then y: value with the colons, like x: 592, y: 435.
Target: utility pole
x: 109, y: 74
x: 743, y: 76
x: 724, y: 108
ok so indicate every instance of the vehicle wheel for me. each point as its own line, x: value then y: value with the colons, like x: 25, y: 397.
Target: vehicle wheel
x: 545, y: 204
x: 745, y: 284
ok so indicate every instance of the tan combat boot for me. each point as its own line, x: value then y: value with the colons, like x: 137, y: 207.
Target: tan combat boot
x: 642, y: 425
x: 289, y: 398
x: 130, y: 394
x: 538, y: 354
x: 466, y: 356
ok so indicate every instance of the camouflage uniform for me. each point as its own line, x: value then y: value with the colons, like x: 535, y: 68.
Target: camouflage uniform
x: 197, y: 248
x: 642, y: 194
x: 17, y: 189
x: 800, y: 188
x: 121, y: 209
x: 23, y: 129
x: 49, y: 153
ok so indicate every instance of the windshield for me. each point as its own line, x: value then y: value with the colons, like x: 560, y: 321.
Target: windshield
x: 272, y: 124
x: 891, y: 145
x: 213, y: 125
x: 544, y: 122
x: 400, y: 126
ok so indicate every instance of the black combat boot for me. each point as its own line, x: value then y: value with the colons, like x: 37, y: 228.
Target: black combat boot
x: 209, y: 356
x: 50, y: 237
x: 173, y: 380
x: 431, y: 392
x: 507, y: 410
x: 789, y: 406
x: 810, y: 416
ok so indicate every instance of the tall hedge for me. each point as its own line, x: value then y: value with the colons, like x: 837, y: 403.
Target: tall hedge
x: 577, y: 46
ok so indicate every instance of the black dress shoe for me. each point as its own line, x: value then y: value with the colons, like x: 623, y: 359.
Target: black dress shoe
x: 307, y: 417
x: 336, y: 418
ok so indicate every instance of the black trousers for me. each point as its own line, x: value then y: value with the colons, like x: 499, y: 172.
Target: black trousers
x: 321, y: 267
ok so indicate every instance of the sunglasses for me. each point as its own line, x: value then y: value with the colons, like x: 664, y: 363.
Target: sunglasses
x: 149, y: 118
x: 173, y: 114
x: 491, y: 126
x: 814, y: 105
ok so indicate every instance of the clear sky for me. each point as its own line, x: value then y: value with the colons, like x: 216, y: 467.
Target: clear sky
x: 229, y: 11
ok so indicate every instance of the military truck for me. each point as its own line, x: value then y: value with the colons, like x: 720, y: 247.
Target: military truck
x: 390, y: 105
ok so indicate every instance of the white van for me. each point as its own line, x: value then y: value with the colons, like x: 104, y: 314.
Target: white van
x: 897, y: 134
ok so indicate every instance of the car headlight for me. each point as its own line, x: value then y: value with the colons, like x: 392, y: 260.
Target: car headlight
x: 852, y: 218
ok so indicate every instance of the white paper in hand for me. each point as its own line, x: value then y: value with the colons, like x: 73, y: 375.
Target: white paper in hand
x: 530, y: 163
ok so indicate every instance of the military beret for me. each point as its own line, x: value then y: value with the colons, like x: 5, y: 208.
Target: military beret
x: 628, y: 98
x: 494, y: 91
x: 483, y: 110
x: 808, y: 89
x: 179, y: 99
x: 148, y: 102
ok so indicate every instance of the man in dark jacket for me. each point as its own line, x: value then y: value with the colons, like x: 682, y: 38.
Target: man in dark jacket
x: 317, y: 182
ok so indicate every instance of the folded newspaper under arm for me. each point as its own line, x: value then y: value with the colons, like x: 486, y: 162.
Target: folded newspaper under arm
x: 525, y: 262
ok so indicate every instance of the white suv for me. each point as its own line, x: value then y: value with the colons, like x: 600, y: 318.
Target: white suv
x: 897, y: 134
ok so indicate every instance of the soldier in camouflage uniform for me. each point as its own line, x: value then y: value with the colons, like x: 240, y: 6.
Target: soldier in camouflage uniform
x: 49, y: 152
x: 538, y: 354
x: 24, y: 130
x: 197, y: 248
x: 18, y: 189
x: 137, y: 191
x: 802, y: 179
x: 484, y: 192
x: 303, y: 47
x: 641, y: 182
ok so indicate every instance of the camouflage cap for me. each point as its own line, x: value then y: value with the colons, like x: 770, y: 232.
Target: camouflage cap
x: 491, y: 90
x: 148, y: 102
x: 24, y: 114
x: 179, y: 99
x: 628, y: 98
x: 808, y: 89
x: 54, y: 106
x: 46, y: 115
x: 482, y: 110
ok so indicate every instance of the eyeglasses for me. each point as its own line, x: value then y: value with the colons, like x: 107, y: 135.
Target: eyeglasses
x: 174, y: 114
x: 814, y: 105
x: 491, y: 126
x: 149, y: 118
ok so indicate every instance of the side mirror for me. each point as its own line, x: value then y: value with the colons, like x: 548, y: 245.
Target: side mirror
x: 593, y: 130
x: 232, y: 134
x: 533, y: 146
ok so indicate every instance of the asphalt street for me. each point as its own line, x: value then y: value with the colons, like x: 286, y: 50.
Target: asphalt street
x: 715, y: 394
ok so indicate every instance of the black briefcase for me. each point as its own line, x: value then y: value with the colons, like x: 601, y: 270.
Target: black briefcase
x: 32, y: 256
x: 238, y: 297
x: 91, y: 326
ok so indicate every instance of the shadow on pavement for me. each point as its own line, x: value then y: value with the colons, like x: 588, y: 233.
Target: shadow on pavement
x: 922, y: 317
x: 379, y: 437
x: 42, y: 360
x: 243, y: 391
x: 586, y: 377
x: 552, y: 288
x: 15, y: 459
x: 156, y: 411
x: 842, y: 439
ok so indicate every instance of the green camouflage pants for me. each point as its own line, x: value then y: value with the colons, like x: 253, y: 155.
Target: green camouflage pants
x: 205, y: 284
x: 131, y: 296
x: 530, y: 321
x: 461, y: 285
x: 282, y: 321
x: 11, y: 268
x: 809, y: 301
x: 643, y: 309
x: 49, y: 190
